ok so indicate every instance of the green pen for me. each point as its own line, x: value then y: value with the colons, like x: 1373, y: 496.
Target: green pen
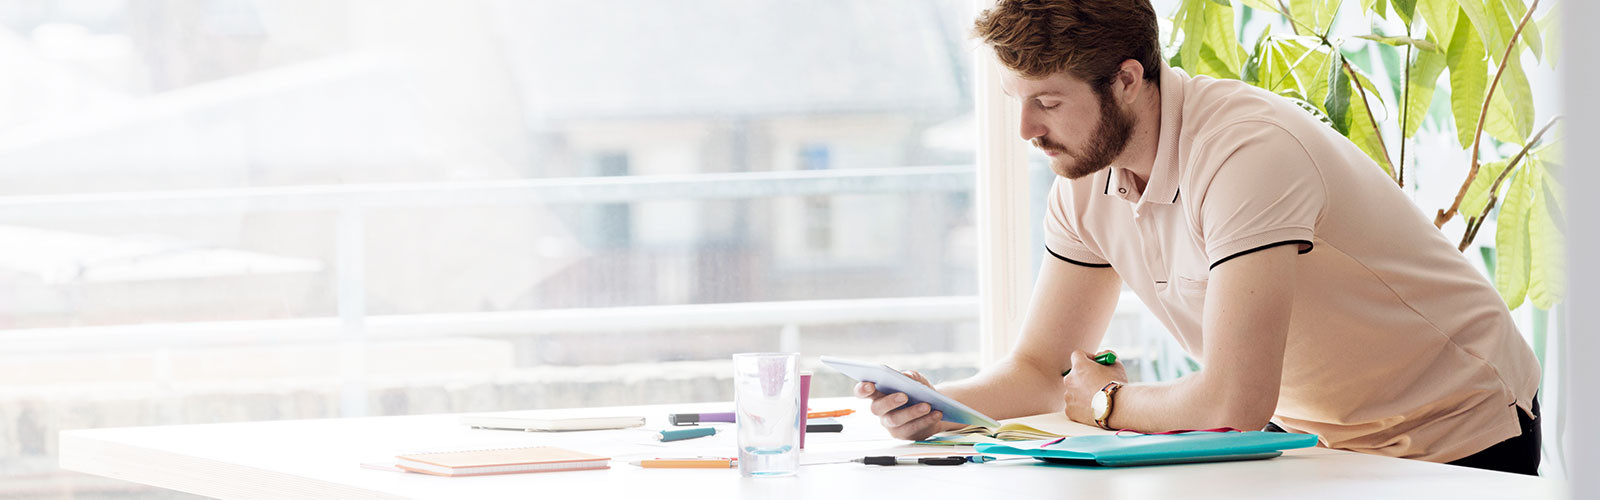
x: 1109, y: 358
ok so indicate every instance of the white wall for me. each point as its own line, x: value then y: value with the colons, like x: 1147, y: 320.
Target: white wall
x: 1582, y: 70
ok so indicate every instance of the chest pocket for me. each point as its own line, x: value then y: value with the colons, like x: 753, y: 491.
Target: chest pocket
x: 1191, y: 288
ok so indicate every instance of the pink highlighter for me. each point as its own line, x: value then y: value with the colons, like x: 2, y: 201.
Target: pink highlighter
x: 805, y: 404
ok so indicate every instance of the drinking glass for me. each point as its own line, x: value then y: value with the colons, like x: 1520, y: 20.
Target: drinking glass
x: 766, y: 391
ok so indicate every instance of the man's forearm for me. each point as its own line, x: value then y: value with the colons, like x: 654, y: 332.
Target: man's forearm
x: 1248, y: 306
x: 1192, y: 402
x: 1011, y: 388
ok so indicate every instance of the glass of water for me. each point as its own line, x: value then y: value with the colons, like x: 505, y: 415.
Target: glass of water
x: 766, y: 391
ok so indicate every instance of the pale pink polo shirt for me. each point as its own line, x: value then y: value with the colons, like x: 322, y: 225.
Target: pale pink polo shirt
x: 1396, y: 346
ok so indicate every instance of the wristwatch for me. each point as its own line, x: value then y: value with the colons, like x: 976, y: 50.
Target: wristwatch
x: 1102, y: 405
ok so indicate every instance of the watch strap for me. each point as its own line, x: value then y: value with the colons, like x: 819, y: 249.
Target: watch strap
x: 1104, y: 420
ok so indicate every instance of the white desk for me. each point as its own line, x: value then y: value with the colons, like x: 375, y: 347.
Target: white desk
x: 320, y: 459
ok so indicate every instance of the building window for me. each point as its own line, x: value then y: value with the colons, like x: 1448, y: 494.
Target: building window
x: 818, y: 209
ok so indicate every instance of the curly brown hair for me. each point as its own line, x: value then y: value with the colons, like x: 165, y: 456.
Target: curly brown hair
x: 1088, y: 39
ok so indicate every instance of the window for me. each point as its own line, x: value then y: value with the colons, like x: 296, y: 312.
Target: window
x: 250, y: 210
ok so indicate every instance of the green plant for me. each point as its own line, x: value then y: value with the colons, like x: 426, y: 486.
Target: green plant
x: 1480, y: 44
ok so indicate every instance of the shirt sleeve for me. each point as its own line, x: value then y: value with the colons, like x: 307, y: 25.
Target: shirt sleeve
x: 1264, y: 190
x: 1061, y: 230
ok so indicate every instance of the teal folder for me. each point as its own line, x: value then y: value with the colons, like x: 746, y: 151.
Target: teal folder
x: 1148, y: 449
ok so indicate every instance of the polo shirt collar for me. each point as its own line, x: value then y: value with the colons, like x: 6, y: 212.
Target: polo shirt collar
x: 1162, y: 186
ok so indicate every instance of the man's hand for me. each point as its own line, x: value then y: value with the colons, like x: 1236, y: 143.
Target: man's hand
x: 1085, y: 380
x: 911, y: 422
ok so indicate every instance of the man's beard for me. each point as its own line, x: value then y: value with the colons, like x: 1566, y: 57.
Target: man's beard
x: 1108, y: 141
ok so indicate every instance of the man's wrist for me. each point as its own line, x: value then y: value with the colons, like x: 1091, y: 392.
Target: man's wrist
x: 1104, y: 405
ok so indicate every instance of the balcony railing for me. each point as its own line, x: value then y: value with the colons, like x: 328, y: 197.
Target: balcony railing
x: 353, y: 327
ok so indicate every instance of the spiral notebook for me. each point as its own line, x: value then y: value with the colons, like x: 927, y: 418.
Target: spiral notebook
x: 500, y: 461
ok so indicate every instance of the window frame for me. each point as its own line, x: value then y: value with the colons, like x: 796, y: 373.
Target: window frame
x: 1004, y: 226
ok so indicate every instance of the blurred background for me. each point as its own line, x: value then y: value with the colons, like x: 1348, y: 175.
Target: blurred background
x: 232, y: 210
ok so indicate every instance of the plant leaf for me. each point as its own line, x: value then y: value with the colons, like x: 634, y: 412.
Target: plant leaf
x: 1489, y: 28
x: 1209, y: 44
x: 1252, y: 66
x: 1510, y: 116
x: 1337, y: 103
x: 1469, y: 74
x: 1275, y: 64
x: 1477, y: 195
x: 1315, y: 111
x: 1194, y: 20
x: 1419, y: 96
x: 1371, y: 89
x: 1511, y: 241
x: 1406, y: 9
x: 1530, y: 33
x: 1314, y: 14
x: 1220, y: 37
x: 1548, y: 157
x: 1547, y: 279
x: 1441, y: 18
x: 1212, y: 65
x: 1549, y: 154
x: 1178, y: 18
x: 1400, y: 41
x: 1364, y: 137
x: 1552, y: 35
x: 1308, y: 66
x: 1262, y: 4
x: 1503, y: 26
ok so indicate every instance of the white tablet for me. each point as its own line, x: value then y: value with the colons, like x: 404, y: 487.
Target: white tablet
x: 890, y: 381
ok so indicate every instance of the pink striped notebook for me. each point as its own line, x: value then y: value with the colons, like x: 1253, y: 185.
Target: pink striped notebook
x: 500, y: 461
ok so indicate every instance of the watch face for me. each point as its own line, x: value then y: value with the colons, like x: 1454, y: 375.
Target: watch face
x: 1098, y: 404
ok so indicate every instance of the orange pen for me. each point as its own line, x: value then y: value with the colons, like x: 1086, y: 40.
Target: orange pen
x: 826, y: 414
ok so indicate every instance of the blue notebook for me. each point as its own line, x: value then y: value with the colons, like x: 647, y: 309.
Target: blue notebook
x: 1145, y: 449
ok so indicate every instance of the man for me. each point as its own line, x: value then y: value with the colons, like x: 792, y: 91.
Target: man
x: 1317, y: 296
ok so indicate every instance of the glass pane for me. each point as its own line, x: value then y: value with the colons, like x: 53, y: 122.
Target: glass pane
x: 249, y: 210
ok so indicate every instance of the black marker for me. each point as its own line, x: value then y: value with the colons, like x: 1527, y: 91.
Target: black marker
x: 911, y: 460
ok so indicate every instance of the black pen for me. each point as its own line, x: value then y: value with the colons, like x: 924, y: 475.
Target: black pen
x: 911, y: 460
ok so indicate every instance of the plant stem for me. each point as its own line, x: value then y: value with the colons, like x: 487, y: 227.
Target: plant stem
x: 1473, y: 223
x: 1284, y: 11
x: 1405, y: 111
x: 1477, y: 137
x: 1377, y: 133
